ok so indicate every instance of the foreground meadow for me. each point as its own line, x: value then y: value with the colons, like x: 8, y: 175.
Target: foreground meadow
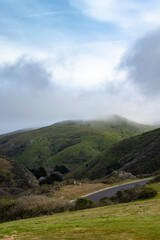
x: 138, y: 220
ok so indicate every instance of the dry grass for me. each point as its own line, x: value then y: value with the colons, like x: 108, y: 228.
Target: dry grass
x: 70, y: 192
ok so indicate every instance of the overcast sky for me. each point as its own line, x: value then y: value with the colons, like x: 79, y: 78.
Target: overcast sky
x: 78, y: 59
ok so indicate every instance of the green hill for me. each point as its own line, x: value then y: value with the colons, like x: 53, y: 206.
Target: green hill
x: 71, y: 143
x: 137, y: 155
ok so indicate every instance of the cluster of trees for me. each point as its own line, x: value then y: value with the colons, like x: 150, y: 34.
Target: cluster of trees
x: 62, y: 169
x: 55, y: 176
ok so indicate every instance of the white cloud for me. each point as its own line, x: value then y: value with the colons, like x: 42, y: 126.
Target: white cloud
x: 87, y: 66
x: 124, y: 13
x: 80, y: 65
x: 10, y: 52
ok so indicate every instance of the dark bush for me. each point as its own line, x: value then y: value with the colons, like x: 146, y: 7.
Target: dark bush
x: 39, y: 172
x: 106, y: 201
x: 5, y: 206
x: 62, y: 169
x: 155, y: 180
x: 147, y: 193
x: 136, y: 193
x: 54, y: 177
x: 82, y: 203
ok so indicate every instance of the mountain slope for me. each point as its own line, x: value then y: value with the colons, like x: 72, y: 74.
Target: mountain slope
x: 72, y: 143
x: 14, y: 177
x: 137, y: 155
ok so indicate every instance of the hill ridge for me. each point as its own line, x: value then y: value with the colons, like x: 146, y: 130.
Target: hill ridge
x: 71, y: 143
x: 137, y: 155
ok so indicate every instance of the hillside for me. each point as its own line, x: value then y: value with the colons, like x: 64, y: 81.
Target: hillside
x: 137, y: 155
x: 72, y: 143
x: 14, y: 178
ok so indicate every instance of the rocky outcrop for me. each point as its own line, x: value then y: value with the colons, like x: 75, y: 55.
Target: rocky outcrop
x: 121, y: 175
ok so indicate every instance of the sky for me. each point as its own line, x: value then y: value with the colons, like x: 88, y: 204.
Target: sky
x: 78, y: 59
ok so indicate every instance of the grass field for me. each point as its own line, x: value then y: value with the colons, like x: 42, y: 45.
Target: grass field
x: 138, y: 220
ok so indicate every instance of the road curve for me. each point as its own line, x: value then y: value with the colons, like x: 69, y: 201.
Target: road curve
x: 111, y: 191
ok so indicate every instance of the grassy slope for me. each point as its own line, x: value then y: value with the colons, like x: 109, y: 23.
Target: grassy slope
x: 72, y: 143
x: 138, y: 155
x: 132, y: 221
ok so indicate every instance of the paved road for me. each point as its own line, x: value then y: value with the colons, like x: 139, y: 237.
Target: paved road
x: 111, y: 191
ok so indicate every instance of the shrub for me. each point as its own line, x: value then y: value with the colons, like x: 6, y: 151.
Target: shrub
x: 39, y: 172
x: 5, y: 206
x: 155, y: 180
x: 136, y: 193
x: 51, y: 179
x: 147, y: 193
x: 62, y: 169
x: 82, y: 203
x: 33, y: 206
x: 106, y: 201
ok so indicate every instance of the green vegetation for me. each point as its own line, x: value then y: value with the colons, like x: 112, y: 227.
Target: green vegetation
x: 72, y: 143
x: 155, y: 180
x: 132, y: 194
x: 62, y: 169
x: 83, y: 203
x: 39, y: 172
x: 52, y: 178
x: 29, y: 206
x: 78, y: 147
x: 138, y: 155
x: 130, y: 221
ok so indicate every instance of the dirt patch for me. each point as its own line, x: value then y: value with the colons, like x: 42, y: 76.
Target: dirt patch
x: 10, y: 237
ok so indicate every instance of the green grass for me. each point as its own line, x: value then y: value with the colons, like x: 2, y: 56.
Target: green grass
x: 138, y: 220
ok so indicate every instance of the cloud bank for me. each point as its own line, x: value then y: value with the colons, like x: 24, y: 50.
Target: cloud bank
x: 31, y: 97
x: 142, y: 63
x: 24, y: 73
